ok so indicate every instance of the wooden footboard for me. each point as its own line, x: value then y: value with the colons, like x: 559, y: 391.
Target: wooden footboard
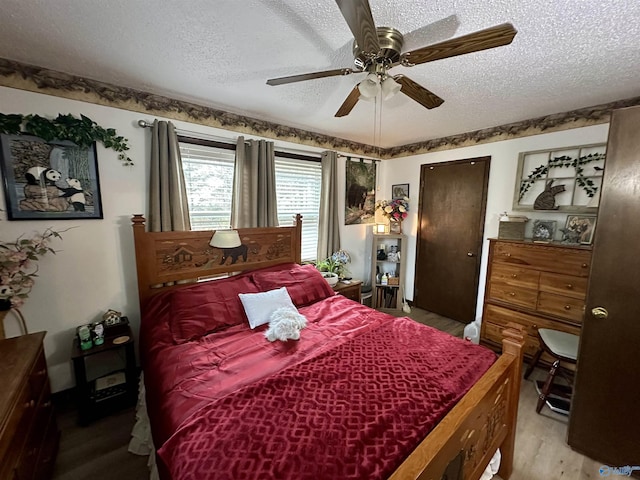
x: 483, y: 421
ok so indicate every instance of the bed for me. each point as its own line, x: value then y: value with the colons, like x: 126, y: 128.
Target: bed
x: 361, y: 394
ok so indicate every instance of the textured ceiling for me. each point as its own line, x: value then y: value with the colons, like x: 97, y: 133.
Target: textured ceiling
x: 567, y: 54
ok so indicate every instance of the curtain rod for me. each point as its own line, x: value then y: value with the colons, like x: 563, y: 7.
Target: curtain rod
x: 357, y: 157
x: 289, y: 152
x: 186, y: 133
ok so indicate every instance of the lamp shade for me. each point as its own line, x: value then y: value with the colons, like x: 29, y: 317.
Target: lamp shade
x: 370, y: 86
x: 225, y: 239
x: 389, y: 88
x: 381, y: 228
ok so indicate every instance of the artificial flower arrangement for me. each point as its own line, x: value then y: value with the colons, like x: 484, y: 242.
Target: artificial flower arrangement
x: 395, y: 210
x: 336, y: 263
x: 18, y: 267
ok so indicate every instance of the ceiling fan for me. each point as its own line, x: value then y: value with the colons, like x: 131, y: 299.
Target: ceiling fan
x: 377, y: 50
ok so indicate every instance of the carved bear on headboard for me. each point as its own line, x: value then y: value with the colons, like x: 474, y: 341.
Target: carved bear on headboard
x: 234, y: 253
x: 546, y: 200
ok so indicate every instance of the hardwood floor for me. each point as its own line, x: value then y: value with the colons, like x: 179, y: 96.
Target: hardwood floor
x: 99, y: 451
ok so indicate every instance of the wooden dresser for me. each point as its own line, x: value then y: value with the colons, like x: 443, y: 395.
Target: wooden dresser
x: 536, y: 285
x: 29, y: 434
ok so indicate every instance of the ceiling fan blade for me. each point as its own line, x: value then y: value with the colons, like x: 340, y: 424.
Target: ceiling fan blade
x: 418, y: 93
x: 357, y: 13
x: 349, y: 103
x: 309, y: 76
x: 474, y: 42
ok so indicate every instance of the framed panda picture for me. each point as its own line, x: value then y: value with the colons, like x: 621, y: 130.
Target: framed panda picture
x: 49, y: 180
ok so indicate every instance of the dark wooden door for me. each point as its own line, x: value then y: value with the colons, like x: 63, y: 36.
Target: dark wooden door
x: 451, y: 216
x: 605, y: 410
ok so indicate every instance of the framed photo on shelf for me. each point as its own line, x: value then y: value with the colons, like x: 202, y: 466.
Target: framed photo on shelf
x: 579, y: 229
x: 543, y: 230
x: 399, y: 191
x: 49, y: 180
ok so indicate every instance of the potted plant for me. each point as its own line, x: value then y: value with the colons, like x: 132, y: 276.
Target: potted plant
x: 333, y: 268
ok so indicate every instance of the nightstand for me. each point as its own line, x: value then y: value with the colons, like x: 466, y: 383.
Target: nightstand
x: 350, y: 290
x: 109, y: 391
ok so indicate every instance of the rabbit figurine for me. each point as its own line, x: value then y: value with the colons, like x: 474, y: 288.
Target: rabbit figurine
x: 546, y: 200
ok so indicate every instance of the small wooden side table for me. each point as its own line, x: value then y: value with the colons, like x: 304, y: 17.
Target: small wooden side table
x: 95, y: 396
x: 351, y: 290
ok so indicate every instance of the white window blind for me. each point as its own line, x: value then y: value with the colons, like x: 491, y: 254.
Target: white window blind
x: 298, y: 191
x: 208, y: 174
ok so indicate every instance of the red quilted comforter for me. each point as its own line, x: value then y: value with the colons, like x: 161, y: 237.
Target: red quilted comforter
x: 351, y: 399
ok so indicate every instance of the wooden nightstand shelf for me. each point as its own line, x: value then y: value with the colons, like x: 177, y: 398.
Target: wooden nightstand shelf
x: 350, y: 290
x: 95, y: 397
x: 388, y: 258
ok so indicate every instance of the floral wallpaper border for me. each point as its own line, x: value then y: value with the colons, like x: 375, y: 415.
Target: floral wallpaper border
x: 37, y: 79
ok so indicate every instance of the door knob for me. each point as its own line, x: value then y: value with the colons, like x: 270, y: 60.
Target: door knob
x: 470, y: 254
x: 600, y: 312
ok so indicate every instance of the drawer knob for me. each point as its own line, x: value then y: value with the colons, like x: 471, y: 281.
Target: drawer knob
x: 567, y: 307
x: 569, y: 286
x: 513, y: 294
x: 584, y: 265
x: 30, y: 404
x: 514, y: 275
x: 507, y: 254
x: 41, y: 373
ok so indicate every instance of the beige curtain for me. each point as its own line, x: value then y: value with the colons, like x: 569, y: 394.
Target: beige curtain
x: 328, y: 226
x: 254, y: 185
x: 168, y: 206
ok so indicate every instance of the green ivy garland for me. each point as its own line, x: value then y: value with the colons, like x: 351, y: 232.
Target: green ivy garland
x: 82, y: 131
x: 565, y: 161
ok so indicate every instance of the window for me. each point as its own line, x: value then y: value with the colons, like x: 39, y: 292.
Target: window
x: 208, y: 174
x: 208, y: 170
x: 298, y: 190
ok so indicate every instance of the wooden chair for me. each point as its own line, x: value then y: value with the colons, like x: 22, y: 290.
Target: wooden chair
x: 563, y: 347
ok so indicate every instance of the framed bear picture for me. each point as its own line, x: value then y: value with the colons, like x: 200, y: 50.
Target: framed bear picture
x: 49, y: 180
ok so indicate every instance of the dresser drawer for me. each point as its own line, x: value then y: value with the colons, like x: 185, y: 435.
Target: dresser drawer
x: 38, y: 376
x: 569, y: 261
x: 561, y: 306
x: 515, y: 276
x: 503, y: 316
x: 16, y: 427
x: 28, y: 462
x: 493, y: 333
x: 566, y: 285
x: 504, y: 292
x: 352, y: 292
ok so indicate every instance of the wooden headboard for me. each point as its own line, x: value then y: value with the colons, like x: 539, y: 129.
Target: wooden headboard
x: 165, y: 257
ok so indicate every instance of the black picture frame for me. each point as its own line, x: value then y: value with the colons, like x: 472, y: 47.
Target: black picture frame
x: 54, y: 180
x: 399, y: 191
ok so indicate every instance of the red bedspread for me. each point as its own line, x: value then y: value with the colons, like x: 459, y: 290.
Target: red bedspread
x: 350, y: 400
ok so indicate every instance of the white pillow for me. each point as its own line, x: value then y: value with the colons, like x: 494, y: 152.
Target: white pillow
x: 260, y: 306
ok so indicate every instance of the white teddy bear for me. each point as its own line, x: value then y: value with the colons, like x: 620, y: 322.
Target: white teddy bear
x: 285, y: 324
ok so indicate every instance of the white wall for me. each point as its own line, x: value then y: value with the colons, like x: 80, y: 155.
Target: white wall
x: 502, y: 177
x: 94, y: 269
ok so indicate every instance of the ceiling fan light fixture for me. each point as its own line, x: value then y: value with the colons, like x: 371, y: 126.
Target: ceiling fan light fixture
x: 370, y: 86
x: 389, y: 88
